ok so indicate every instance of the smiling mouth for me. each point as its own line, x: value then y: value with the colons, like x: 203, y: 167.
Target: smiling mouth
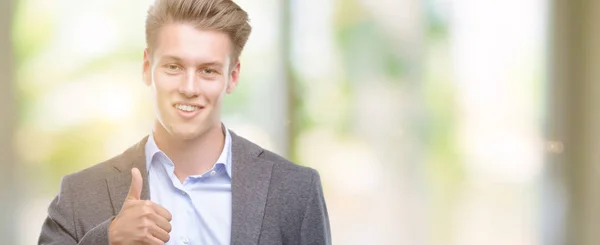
x: 187, y: 108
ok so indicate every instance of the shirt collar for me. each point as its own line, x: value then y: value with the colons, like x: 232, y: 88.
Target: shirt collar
x: 225, y: 157
x: 151, y: 149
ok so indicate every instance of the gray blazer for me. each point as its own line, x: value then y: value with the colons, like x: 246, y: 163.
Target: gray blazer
x: 273, y: 200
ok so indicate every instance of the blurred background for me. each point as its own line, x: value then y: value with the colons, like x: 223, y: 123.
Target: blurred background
x: 434, y: 122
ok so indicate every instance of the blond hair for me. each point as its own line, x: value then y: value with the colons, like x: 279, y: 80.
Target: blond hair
x: 218, y: 15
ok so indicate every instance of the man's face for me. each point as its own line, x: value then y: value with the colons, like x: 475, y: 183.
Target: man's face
x: 189, y: 73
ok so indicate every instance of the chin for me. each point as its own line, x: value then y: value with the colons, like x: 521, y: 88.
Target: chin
x: 186, y: 130
x: 186, y: 134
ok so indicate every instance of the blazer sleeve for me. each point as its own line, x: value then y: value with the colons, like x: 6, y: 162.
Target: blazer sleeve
x: 315, y: 224
x: 59, y: 227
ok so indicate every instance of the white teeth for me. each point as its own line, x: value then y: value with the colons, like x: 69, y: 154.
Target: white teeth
x: 187, y: 108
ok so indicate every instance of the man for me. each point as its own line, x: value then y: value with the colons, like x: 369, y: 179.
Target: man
x: 191, y: 181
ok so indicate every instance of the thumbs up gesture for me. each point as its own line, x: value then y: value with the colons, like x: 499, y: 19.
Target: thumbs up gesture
x: 139, y: 221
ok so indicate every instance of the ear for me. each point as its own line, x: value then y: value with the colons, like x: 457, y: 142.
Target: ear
x: 147, y: 69
x: 234, y: 77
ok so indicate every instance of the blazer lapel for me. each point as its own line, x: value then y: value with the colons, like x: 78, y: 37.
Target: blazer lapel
x: 118, y: 184
x: 251, y: 176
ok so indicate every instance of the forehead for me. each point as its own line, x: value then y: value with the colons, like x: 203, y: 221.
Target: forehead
x: 192, y: 45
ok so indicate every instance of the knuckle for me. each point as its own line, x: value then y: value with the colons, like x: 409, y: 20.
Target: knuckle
x: 145, y: 232
x: 147, y: 212
x: 139, y: 237
x: 148, y: 237
x: 146, y: 223
x: 148, y: 203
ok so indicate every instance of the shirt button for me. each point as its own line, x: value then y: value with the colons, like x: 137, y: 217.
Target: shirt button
x: 185, y: 240
x: 182, y: 192
x: 212, y: 173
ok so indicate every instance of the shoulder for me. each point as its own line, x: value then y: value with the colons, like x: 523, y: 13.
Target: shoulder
x: 87, y: 191
x: 292, y: 182
x: 110, y: 167
x: 94, y: 173
x: 295, y: 191
x: 283, y: 170
x: 88, y: 187
x: 289, y: 170
x: 92, y: 178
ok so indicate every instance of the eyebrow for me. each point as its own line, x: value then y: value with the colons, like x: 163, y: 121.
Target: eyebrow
x: 178, y: 59
x: 170, y: 57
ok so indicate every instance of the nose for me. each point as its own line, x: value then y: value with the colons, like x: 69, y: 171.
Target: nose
x: 190, y: 86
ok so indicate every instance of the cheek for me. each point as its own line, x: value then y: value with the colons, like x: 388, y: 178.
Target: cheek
x: 163, y: 88
x: 164, y: 84
x: 215, y: 90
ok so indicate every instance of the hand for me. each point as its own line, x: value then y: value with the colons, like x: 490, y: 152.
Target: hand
x: 139, y: 221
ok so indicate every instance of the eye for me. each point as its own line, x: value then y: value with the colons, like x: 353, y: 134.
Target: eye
x: 173, y: 68
x: 208, y: 71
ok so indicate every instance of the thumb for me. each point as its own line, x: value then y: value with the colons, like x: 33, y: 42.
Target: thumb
x: 135, y: 190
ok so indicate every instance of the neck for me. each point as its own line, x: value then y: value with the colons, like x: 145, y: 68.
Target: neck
x: 191, y: 156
